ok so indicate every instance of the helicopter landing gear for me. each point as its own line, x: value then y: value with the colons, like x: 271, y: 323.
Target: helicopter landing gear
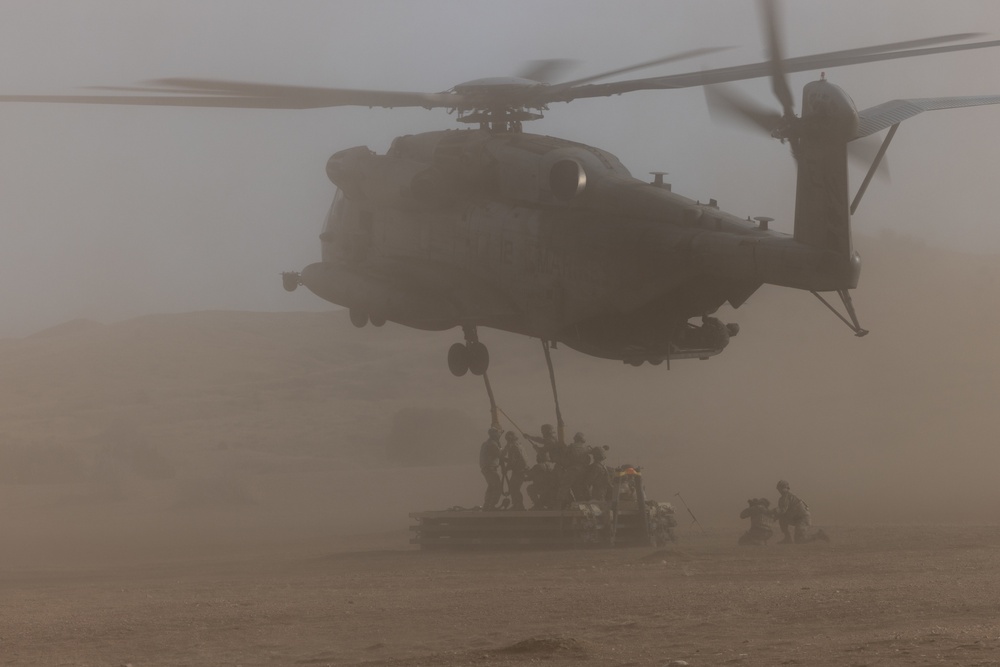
x: 471, y: 356
x: 479, y: 358
x: 290, y: 280
x: 359, y: 317
x: 458, y: 359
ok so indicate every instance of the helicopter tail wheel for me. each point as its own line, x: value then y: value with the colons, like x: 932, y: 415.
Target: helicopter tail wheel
x: 376, y: 320
x: 359, y: 317
x: 479, y: 358
x: 290, y: 280
x: 458, y: 359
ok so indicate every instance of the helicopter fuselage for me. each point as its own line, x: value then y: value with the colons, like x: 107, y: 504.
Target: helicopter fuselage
x: 548, y: 238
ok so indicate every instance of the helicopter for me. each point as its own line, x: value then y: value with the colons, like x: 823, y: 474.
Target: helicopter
x: 492, y: 227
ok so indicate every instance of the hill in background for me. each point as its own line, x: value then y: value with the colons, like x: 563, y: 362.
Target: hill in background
x: 203, y: 409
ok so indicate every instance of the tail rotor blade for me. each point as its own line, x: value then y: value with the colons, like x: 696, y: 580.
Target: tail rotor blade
x: 863, y: 152
x: 776, y: 57
x: 726, y: 105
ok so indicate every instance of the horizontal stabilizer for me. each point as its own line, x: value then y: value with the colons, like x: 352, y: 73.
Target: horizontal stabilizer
x: 877, y: 118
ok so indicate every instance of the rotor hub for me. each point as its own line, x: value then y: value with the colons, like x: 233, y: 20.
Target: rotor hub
x: 497, y: 116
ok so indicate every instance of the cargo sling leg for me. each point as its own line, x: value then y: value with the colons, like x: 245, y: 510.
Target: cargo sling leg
x: 560, y: 426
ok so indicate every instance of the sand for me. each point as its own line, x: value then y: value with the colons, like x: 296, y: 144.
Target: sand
x: 225, y: 488
x: 894, y: 595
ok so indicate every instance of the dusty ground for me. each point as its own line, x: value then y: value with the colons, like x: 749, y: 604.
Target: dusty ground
x: 875, y: 596
x: 233, y: 488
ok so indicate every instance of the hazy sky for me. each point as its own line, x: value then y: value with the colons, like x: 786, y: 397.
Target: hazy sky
x: 112, y: 212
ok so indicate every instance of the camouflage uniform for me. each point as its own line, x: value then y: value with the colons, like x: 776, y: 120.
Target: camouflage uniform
x: 543, y: 486
x: 489, y: 464
x: 759, y: 513
x: 547, y: 443
x: 793, y: 511
x: 516, y: 465
x: 571, y: 474
x: 597, y: 478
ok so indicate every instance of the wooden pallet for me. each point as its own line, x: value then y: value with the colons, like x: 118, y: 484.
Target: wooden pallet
x: 575, y: 528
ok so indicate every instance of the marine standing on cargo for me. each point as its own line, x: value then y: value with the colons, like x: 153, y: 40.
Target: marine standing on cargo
x: 489, y: 464
x: 542, y: 483
x: 548, y: 443
x: 597, y: 477
x: 571, y: 474
x: 516, y: 466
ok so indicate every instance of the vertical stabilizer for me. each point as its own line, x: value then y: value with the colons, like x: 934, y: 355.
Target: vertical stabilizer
x: 822, y: 215
x: 822, y: 207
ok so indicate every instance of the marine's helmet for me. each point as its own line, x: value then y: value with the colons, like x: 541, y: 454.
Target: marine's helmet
x: 511, y: 436
x: 547, y: 429
x: 494, y: 433
x: 782, y: 484
x: 598, y: 454
x: 579, y: 437
x: 763, y: 502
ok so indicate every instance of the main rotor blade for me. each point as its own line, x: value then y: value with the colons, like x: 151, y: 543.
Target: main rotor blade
x: 546, y: 71
x: 312, y: 95
x: 232, y: 94
x: 757, y: 70
x: 683, y: 55
x: 246, y: 94
x: 187, y: 92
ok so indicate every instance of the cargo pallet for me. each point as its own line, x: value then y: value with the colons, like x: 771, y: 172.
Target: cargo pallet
x: 586, y: 525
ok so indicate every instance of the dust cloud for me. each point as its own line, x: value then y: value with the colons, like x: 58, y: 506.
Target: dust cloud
x: 225, y: 487
x: 221, y: 429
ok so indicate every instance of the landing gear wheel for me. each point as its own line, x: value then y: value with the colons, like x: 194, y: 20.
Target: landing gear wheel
x: 359, y: 317
x: 376, y: 320
x: 458, y: 360
x: 290, y: 280
x: 479, y: 358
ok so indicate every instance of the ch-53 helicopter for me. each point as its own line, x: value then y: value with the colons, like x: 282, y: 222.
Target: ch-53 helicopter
x: 491, y: 226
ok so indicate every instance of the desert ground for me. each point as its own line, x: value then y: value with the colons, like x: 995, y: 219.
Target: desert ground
x: 873, y: 596
x: 234, y: 488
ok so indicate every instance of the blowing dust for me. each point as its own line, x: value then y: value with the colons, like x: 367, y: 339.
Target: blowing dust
x: 183, y: 435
